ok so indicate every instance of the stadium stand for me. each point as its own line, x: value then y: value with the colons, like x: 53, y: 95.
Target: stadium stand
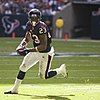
x: 23, y: 6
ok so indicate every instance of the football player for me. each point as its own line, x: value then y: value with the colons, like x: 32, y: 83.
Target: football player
x: 41, y: 52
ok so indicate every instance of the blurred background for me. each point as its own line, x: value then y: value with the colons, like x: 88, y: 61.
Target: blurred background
x: 78, y: 18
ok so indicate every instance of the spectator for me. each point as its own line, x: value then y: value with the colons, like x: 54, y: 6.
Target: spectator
x: 59, y: 24
x: 1, y: 7
x: 49, y: 7
x: 7, y: 7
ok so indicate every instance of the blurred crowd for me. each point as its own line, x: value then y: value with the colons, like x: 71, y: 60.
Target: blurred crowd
x: 48, y: 7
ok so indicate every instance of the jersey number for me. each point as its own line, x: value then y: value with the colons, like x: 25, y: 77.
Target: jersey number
x: 42, y: 30
x: 36, y: 39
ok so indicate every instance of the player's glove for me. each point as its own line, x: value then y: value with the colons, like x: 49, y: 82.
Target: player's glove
x: 23, y: 51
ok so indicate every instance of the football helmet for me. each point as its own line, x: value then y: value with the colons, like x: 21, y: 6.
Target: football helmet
x: 34, y: 16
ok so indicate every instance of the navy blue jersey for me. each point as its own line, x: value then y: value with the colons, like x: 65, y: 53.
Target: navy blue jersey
x: 40, y: 29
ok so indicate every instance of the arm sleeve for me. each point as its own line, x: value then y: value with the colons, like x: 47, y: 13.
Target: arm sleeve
x: 28, y: 26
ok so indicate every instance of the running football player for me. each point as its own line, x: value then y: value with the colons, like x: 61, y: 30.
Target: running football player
x: 41, y: 52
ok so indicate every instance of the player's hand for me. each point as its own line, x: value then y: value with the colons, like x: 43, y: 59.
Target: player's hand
x: 23, y: 51
x: 20, y: 47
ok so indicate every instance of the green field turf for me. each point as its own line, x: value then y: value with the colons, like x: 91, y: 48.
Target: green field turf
x: 83, y: 82
x: 53, y: 92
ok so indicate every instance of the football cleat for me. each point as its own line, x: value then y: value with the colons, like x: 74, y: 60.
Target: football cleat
x: 10, y: 92
x: 64, y: 71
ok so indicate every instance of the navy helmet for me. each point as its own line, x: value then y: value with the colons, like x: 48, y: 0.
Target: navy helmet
x: 34, y: 15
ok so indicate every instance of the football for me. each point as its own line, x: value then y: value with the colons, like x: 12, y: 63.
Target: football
x: 20, y: 51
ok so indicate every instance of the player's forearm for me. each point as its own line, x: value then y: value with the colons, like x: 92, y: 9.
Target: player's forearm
x: 24, y: 42
x: 26, y: 39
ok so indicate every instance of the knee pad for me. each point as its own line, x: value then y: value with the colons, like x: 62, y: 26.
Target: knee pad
x: 21, y: 75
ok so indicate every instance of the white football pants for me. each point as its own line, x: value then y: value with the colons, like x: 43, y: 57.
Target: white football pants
x: 44, y: 60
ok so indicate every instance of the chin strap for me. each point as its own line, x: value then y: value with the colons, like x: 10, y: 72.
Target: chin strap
x: 33, y: 23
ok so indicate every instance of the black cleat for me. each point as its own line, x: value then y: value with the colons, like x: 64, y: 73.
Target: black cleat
x: 9, y: 92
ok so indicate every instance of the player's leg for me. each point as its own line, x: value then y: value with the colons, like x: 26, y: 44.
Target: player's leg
x: 29, y: 60
x: 44, y: 68
x: 49, y: 73
x: 61, y: 70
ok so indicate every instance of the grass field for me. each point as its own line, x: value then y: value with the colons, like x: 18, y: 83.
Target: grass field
x: 83, y: 82
x: 53, y: 92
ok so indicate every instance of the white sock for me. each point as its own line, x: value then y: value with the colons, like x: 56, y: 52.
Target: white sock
x: 58, y: 71
x: 16, y: 85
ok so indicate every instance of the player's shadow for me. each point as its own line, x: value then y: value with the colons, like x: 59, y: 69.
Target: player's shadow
x: 60, y: 97
x: 50, y: 97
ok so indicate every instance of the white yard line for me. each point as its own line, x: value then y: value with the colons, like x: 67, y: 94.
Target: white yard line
x: 36, y: 77
x: 69, y: 70
x: 80, y: 40
x: 86, y: 70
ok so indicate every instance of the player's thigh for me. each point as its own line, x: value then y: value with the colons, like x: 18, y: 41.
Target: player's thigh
x: 45, y: 65
x: 29, y: 60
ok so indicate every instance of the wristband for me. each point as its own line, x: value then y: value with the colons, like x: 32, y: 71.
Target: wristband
x: 36, y: 49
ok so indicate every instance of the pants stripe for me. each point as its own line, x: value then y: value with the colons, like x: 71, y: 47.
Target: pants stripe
x: 47, y: 68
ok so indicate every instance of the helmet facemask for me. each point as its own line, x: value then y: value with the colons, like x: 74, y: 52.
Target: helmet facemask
x: 34, y: 16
